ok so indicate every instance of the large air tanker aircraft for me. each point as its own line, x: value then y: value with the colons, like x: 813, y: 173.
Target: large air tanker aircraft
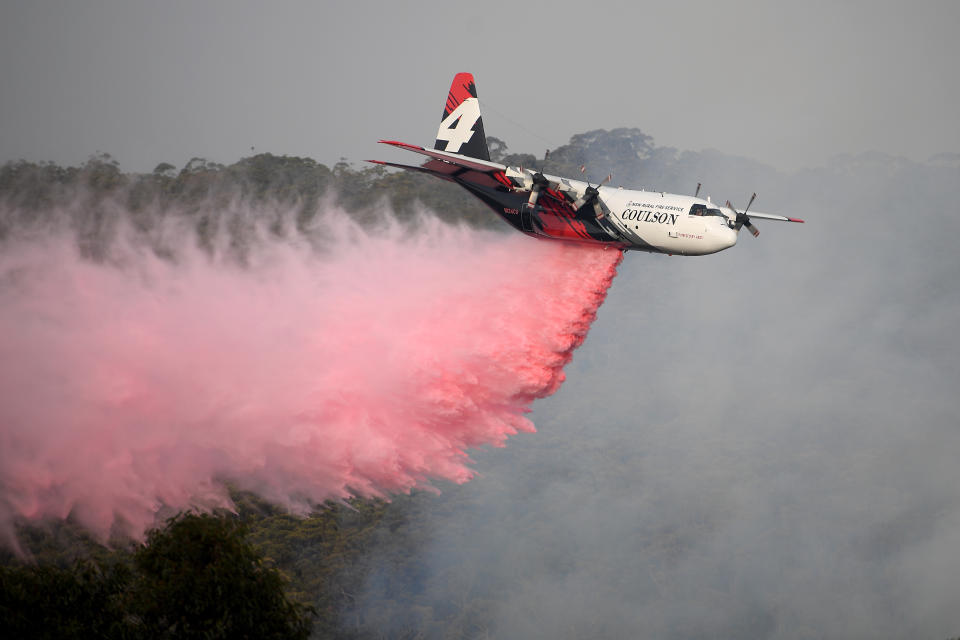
x: 549, y: 206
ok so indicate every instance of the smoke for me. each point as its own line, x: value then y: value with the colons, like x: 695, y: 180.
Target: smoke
x: 760, y: 443
x: 147, y: 379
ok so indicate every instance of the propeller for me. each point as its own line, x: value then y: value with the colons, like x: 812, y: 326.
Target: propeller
x: 591, y: 194
x: 742, y: 219
x: 539, y: 182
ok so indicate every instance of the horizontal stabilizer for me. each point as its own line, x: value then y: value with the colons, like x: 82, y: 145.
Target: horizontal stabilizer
x: 407, y: 167
x: 452, y: 158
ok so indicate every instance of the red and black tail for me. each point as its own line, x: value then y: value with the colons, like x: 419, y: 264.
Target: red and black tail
x: 461, y: 130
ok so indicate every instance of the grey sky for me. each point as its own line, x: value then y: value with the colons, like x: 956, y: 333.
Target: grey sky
x: 788, y: 84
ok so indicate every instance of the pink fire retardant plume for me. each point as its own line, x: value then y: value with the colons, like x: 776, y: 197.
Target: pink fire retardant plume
x: 367, y: 368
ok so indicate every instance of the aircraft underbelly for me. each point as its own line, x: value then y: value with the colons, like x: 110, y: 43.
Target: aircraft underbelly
x: 549, y: 218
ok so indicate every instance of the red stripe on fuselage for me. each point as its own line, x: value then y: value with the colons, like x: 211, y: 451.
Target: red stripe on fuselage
x: 502, y: 178
x: 559, y: 219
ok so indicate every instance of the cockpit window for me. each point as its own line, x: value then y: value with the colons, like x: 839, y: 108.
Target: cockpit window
x: 702, y: 210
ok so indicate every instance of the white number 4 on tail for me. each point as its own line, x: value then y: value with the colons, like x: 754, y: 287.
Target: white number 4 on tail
x: 457, y: 128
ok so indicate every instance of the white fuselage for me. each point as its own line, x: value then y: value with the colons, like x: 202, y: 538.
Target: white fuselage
x: 660, y: 222
x: 656, y: 221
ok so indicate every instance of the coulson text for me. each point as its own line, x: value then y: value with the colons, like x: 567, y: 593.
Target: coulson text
x: 660, y: 217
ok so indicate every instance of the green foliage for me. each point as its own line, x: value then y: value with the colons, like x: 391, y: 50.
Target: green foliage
x: 324, y: 555
x: 197, y: 577
x: 204, y: 190
x: 223, y: 575
x: 86, y: 600
x: 278, y: 194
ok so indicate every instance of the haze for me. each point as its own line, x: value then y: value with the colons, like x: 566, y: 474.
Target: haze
x: 787, y: 84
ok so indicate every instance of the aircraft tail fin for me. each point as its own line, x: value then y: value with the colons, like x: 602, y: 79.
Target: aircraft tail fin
x: 461, y: 129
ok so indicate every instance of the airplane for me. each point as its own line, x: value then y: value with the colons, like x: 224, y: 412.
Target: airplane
x: 560, y: 208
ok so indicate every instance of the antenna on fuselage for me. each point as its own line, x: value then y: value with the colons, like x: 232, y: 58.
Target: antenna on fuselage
x: 698, y: 191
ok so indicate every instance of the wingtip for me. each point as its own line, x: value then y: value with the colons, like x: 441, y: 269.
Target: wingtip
x: 795, y: 220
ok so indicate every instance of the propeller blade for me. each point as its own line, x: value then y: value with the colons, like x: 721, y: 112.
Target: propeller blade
x: 742, y: 219
x: 597, y: 209
x: 534, y: 195
x: 735, y: 214
x: 589, y: 195
x: 539, y: 181
x: 752, y: 198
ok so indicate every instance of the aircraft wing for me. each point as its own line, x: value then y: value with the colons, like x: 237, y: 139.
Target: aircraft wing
x: 770, y: 216
x: 448, y: 165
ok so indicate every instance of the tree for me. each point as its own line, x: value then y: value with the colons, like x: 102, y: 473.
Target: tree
x: 497, y: 148
x: 166, y: 170
x: 86, y: 600
x: 200, y: 578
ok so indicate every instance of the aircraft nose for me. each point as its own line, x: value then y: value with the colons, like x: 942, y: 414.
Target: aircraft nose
x: 729, y: 237
x: 720, y: 237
